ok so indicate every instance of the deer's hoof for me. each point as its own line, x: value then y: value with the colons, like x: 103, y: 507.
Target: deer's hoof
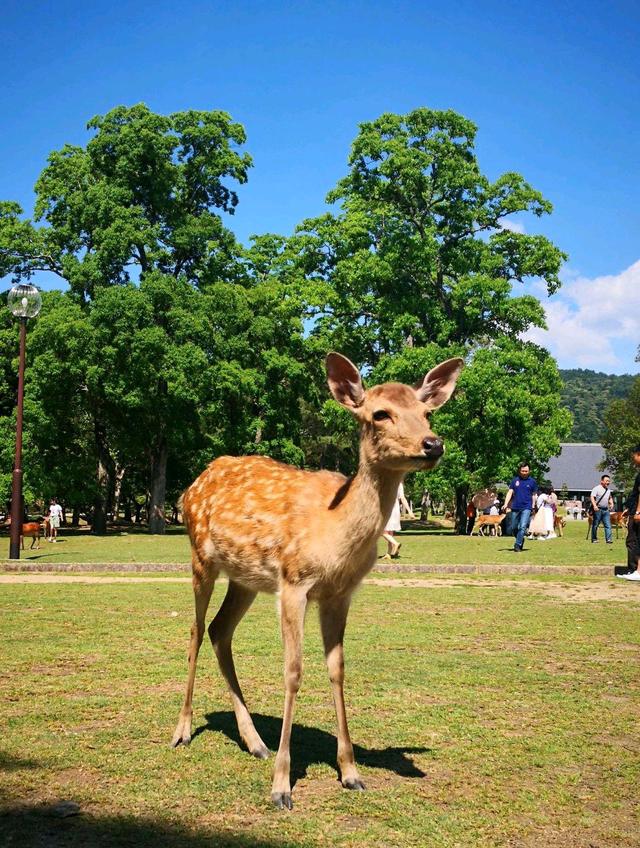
x: 261, y: 752
x: 282, y: 800
x: 180, y: 738
x: 354, y: 783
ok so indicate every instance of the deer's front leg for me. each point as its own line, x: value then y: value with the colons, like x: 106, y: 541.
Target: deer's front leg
x: 333, y: 620
x: 293, y: 603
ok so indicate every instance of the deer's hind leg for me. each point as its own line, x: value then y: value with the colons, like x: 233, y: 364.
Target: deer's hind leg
x: 236, y: 603
x: 203, y: 583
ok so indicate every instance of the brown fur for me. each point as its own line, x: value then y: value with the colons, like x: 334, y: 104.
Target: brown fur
x: 308, y: 536
x: 490, y: 523
x: 33, y: 530
x: 559, y: 523
x: 617, y: 521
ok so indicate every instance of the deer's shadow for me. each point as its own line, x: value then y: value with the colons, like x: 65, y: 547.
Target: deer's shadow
x: 309, y: 745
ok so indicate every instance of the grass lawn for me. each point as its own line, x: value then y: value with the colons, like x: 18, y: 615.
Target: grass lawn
x: 431, y: 545
x: 484, y: 713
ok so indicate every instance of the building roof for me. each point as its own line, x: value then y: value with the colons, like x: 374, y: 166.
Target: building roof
x: 577, y: 467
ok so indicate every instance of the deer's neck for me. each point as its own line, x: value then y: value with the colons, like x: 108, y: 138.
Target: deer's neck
x: 369, y: 502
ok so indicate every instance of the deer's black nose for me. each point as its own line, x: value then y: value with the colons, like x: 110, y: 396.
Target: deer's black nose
x: 433, y: 448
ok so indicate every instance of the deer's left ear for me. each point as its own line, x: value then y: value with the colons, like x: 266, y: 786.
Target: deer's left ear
x: 437, y: 387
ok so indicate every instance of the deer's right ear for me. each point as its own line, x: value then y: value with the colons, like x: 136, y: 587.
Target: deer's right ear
x: 344, y: 381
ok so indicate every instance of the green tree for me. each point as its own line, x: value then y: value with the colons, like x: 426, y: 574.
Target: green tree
x: 621, y: 435
x: 416, y: 264
x: 417, y: 252
x: 141, y: 199
x: 587, y: 395
x: 506, y: 409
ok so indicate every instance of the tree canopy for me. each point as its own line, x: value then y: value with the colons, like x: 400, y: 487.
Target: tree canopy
x: 417, y: 252
x: 175, y: 344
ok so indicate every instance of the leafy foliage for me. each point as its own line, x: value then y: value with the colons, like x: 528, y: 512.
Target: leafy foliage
x: 417, y: 253
x: 175, y: 344
x: 587, y: 395
x: 621, y: 434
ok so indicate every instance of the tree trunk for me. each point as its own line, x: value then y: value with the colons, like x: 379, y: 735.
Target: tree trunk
x: 119, y: 477
x: 158, y: 488
x: 127, y: 512
x: 461, y: 510
x: 99, y: 517
x: 104, y: 476
x: 75, y: 518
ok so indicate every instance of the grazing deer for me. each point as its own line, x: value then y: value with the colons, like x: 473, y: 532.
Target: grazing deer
x: 309, y: 536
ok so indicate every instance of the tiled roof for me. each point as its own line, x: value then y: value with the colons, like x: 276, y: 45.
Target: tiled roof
x: 577, y: 467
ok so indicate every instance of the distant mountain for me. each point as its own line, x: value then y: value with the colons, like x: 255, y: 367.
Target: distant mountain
x: 587, y: 394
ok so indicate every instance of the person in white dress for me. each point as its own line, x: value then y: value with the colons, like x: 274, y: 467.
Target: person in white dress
x: 542, y: 525
x: 393, y: 524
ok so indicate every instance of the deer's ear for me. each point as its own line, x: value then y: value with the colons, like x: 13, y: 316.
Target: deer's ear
x: 344, y: 381
x: 437, y: 387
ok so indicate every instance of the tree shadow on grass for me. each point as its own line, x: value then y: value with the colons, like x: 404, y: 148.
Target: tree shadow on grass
x: 11, y: 763
x: 29, y: 826
x: 310, y: 745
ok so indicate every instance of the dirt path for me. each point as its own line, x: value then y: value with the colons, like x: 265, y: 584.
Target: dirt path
x: 585, y: 591
x: 604, y: 589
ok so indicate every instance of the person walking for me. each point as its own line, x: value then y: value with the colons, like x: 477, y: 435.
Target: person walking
x: 519, y: 501
x: 632, y: 511
x: 471, y: 518
x: 55, y: 517
x: 542, y: 525
x: 601, y: 504
x: 393, y: 524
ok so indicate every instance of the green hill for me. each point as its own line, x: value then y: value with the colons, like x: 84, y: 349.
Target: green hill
x: 587, y: 394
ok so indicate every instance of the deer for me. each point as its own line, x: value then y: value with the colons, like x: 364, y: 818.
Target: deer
x: 617, y: 521
x: 490, y: 524
x: 29, y: 529
x: 307, y: 536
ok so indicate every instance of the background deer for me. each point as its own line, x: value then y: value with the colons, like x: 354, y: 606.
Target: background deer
x: 617, y: 521
x: 30, y: 529
x: 309, y: 536
x: 490, y: 524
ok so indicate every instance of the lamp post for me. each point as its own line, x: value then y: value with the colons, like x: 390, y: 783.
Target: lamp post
x: 24, y: 301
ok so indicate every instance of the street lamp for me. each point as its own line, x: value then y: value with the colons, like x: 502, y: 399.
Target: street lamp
x: 24, y: 301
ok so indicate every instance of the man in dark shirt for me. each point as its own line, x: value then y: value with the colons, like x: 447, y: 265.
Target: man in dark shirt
x: 520, y: 497
x: 632, y: 510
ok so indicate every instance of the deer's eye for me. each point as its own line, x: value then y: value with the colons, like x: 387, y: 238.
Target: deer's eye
x: 381, y: 415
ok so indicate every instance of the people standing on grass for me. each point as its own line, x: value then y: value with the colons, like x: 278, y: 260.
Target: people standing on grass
x: 471, y: 517
x: 601, y: 505
x: 55, y: 517
x: 632, y: 512
x: 519, y: 501
x: 542, y: 525
x: 393, y: 524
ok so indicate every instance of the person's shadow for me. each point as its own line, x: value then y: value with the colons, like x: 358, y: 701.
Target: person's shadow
x: 310, y: 745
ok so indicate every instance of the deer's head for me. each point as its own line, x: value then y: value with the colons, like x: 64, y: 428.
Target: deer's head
x: 396, y: 432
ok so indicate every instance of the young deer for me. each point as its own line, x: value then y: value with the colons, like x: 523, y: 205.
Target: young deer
x: 309, y: 536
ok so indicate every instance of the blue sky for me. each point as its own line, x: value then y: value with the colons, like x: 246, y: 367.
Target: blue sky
x: 552, y: 86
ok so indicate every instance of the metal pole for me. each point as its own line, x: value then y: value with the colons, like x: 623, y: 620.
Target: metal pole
x: 16, y: 492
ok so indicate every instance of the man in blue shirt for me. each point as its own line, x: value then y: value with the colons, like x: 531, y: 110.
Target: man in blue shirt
x: 520, y: 496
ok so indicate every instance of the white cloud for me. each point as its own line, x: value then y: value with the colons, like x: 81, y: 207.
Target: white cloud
x: 512, y: 226
x: 594, y: 322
